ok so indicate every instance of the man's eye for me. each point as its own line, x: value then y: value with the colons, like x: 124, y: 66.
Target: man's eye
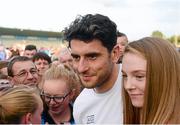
x: 45, y: 63
x: 38, y: 63
x: 33, y: 71
x: 22, y: 74
x: 93, y: 57
x: 76, y: 58
x: 124, y: 76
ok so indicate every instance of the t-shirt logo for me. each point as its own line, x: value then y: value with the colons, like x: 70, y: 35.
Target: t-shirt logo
x: 90, y: 119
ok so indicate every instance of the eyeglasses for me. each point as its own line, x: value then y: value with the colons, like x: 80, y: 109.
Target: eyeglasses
x: 24, y: 73
x: 58, y: 99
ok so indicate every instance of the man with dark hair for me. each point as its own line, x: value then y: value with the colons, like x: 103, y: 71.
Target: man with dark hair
x: 92, y: 39
x: 122, y: 41
x: 21, y: 70
x: 30, y: 51
x: 42, y: 62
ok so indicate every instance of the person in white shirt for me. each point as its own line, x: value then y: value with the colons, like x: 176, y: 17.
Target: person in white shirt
x: 92, y: 40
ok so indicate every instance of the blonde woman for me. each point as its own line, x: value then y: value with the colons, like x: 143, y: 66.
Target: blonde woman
x: 151, y: 68
x: 59, y: 89
x: 20, y: 105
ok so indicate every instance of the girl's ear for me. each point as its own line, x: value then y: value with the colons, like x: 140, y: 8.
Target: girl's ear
x: 28, y: 118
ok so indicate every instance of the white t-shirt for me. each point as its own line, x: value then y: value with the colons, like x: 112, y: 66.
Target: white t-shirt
x: 100, y: 108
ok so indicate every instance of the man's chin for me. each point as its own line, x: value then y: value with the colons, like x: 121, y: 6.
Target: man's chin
x: 88, y: 85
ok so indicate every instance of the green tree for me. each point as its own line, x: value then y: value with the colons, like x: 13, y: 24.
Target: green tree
x: 175, y: 39
x: 157, y: 34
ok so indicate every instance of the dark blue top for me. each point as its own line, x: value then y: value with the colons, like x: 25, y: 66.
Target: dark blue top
x: 46, y: 117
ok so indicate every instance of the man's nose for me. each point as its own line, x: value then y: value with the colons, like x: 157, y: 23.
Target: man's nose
x: 30, y: 75
x: 82, y: 66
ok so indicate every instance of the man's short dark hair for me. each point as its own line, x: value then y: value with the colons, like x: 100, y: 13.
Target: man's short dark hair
x: 30, y: 47
x: 41, y: 55
x: 89, y: 27
x: 13, y: 60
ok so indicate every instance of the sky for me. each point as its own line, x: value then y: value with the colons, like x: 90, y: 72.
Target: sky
x: 135, y: 18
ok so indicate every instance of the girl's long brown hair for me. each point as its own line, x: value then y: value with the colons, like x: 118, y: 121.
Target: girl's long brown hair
x: 162, y: 92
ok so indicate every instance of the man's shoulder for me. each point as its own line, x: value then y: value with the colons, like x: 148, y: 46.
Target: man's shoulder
x: 85, y: 93
x: 82, y: 101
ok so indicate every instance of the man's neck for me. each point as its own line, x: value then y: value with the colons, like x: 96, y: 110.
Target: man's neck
x: 107, y: 85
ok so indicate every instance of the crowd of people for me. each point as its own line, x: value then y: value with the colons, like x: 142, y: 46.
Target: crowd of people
x: 100, y: 78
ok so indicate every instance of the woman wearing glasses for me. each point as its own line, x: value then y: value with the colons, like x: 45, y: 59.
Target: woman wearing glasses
x: 59, y: 85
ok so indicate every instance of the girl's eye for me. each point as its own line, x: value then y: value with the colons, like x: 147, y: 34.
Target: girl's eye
x: 124, y: 77
x: 140, y: 77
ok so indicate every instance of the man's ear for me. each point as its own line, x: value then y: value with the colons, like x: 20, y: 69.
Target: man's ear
x: 115, y: 54
x: 11, y: 79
